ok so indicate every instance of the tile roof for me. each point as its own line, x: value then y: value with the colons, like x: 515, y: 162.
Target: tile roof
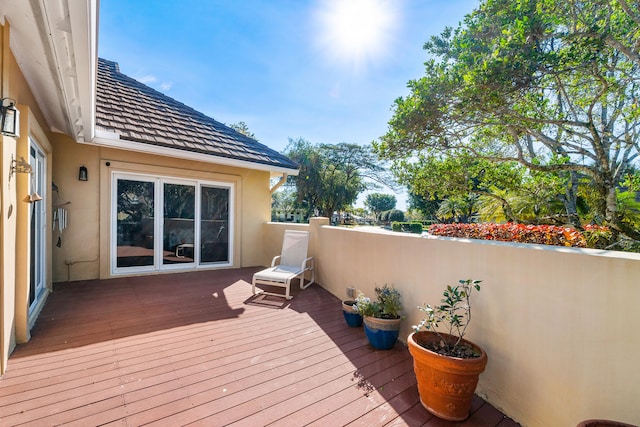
x: 141, y: 114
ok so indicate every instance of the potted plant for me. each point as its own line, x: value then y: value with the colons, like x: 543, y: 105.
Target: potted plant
x: 603, y: 423
x: 446, y: 365
x: 381, y: 317
x: 351, y: 314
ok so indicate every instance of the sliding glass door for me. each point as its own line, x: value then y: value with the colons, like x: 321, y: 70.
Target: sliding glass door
x: 38, y: 223
x: 160, y: 223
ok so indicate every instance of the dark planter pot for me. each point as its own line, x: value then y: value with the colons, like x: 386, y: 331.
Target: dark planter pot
x: 382, y: 333
x: 446, y: 384
x: 351, y: 315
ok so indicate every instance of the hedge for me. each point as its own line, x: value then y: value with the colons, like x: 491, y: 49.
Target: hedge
x: 593, y: 236
x: 407, y: 227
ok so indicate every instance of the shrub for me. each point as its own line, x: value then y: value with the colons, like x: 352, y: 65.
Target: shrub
x: 523, y: 233
x: 598, y: 237
x: 396, y: 215
x: 407, y: 227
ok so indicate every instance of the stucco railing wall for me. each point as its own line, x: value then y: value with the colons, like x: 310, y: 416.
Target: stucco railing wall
x: 561, y: 326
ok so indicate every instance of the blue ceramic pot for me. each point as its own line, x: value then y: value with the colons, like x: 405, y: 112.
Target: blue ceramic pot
x: 351, y: 316
x: 382, y: 333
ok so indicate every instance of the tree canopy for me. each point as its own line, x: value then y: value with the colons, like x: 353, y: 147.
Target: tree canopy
x: 243, y: 128
x: 379, y: 202
x: 536, y: 95
x: 332, y: 176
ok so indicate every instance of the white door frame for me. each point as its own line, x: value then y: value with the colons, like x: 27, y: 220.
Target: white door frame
x: 38, y: 226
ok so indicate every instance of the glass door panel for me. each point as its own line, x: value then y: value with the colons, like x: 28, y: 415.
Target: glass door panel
x: 179, y: 224
x: 135, y: 223
x: 214, y: 224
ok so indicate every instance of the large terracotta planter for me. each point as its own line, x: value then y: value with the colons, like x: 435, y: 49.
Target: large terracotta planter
x: 446, y: 384
x: 603, y: 423
x: 351, y: 315
x: 382, y: 333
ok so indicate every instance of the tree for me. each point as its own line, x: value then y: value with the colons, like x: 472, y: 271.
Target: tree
x: 424, y: 204
x: 284, y: 200
x: 527, y: 82
x: 332, y: 176
x: 378, y: 202
x: 243, y: 129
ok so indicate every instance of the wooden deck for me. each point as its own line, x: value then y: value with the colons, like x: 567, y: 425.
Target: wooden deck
x: 199, y: 349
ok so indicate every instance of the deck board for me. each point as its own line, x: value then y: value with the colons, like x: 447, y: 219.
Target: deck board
x: 198, y: 349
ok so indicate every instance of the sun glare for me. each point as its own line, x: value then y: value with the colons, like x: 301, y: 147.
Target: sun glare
x: 356, y: 31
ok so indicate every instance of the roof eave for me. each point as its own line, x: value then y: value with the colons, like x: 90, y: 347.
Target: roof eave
x: 112, y: 140
x: 55, y: 45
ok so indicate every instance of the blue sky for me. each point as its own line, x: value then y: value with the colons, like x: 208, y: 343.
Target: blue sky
x: 324, y: 70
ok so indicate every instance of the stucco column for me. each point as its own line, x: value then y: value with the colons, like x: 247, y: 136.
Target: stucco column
x: 315, y: 225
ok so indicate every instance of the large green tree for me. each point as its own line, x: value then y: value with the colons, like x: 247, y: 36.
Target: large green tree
x: 332, y: 176
x: 552, y: 86
x: 379, y: 202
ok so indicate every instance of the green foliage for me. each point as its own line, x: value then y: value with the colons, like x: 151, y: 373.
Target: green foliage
x: 632, y: 181
x: 387, y: 304
x: 407, y: 227
x: 598, y: 237
x: 243, y: 129
x: 395, y: 215
x: 458, y: 208
x: 379, y: 202
x: 284, y: 200
x: 454, y: 314
x: 551, y: 86
x: 391, y: 215
x: 424, y: 205
x: 332, y: 176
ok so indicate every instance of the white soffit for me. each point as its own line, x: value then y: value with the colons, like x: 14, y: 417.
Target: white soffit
x: 55, y: 44
x: 113, y: 140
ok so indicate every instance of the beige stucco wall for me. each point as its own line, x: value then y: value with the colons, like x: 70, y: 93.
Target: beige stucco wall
x: 559, y: 324
x: 15, y: 321
x: 84, y: 250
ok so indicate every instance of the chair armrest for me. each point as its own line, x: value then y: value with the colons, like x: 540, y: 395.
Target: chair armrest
x: 275, y: 258
x: 304, y: 266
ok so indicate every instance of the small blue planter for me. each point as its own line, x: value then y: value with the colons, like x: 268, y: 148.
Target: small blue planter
x: 351, y: 316
x: 382, y: 333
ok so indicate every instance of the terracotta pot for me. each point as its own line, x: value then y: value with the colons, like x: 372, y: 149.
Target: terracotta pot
x: 351, y: 315
x: 603, y: 423
x: 382, y: 333
x: 446, y: 384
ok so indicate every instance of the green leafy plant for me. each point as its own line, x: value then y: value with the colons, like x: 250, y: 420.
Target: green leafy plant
x: 387, y: 304
x: 407, y: 227
x: 453, y: 315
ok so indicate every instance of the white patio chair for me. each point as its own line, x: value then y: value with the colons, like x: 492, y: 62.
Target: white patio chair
x: 293, y: 262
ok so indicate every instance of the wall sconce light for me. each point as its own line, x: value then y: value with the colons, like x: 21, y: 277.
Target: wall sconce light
x: 9, y: 118
x: 83, y: 174
x: 19, y: 166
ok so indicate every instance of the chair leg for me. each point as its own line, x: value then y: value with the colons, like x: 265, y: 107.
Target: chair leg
x: 311, y: 282
x: 253, y: 285
x: 288, y: 288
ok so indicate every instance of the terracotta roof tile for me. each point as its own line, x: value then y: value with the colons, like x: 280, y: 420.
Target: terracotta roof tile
x: 141, y: 114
